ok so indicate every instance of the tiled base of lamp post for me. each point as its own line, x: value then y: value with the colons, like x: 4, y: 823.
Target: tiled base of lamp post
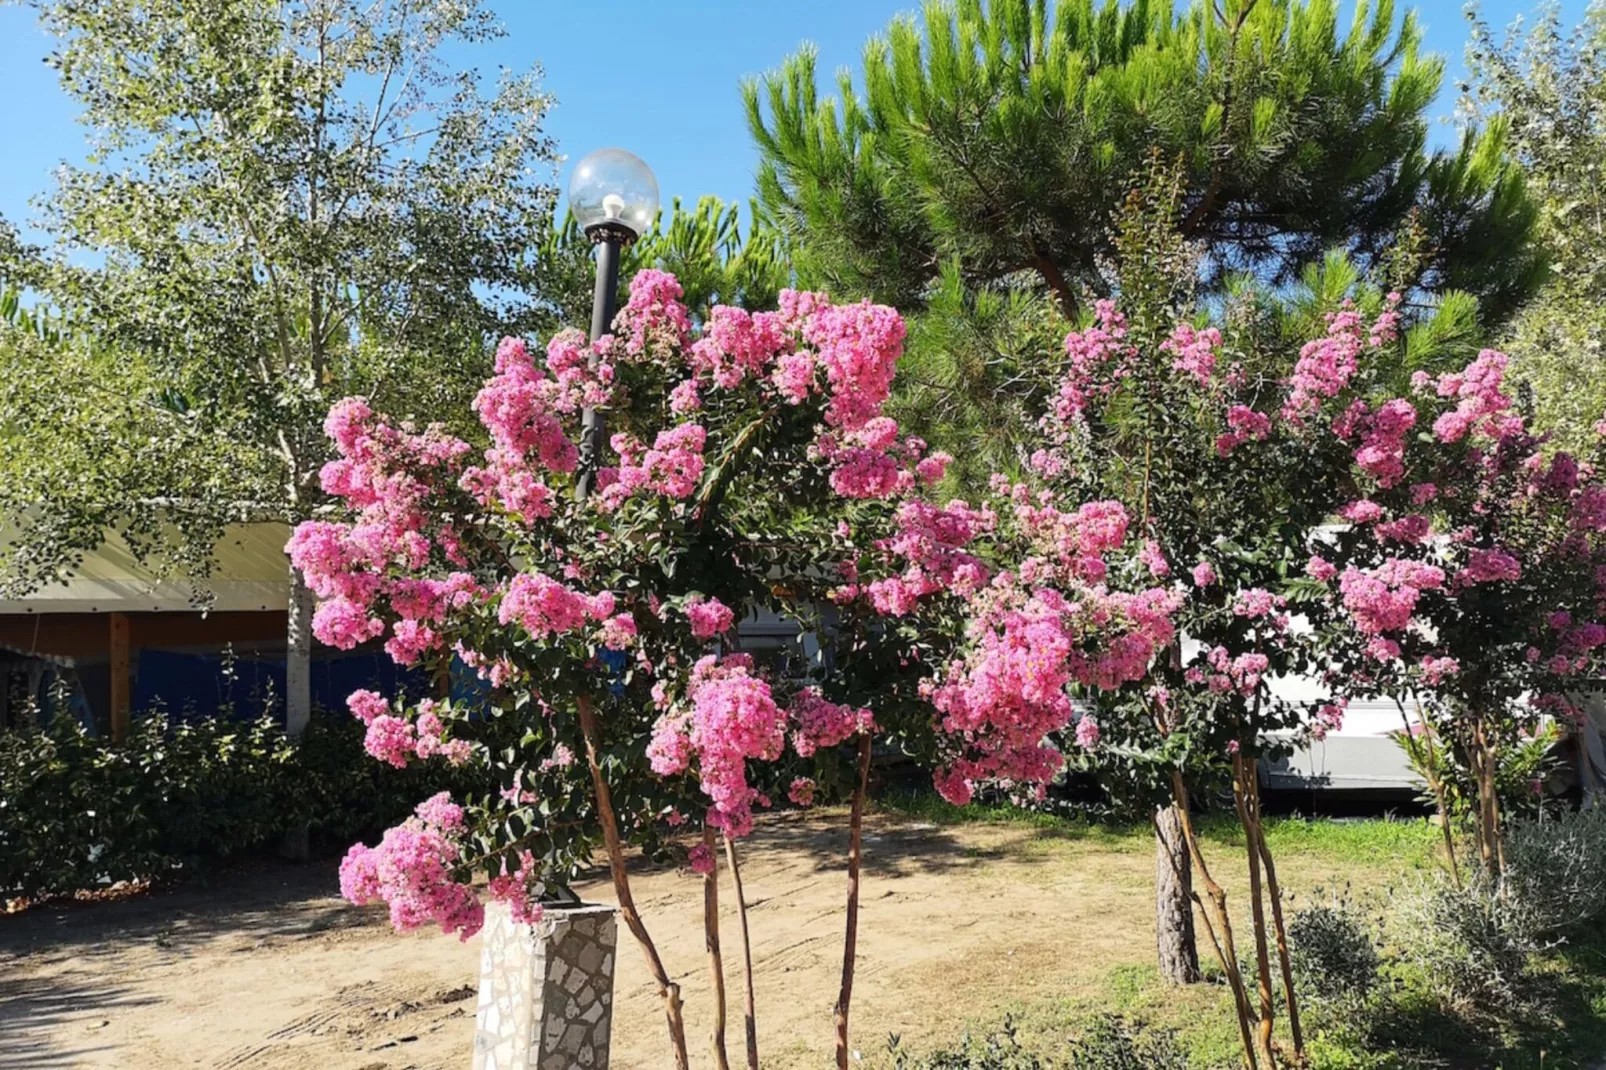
x: 546, y: 991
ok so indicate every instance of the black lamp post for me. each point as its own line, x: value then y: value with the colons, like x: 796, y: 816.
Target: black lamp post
x: 614, y: 198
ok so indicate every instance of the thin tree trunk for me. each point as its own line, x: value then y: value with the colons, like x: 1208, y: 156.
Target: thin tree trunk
x: 1275, y: 892
x: 297, y: 842
x: 1489, y: 837
x: 1218, y: 923
x: 1257, y: 911
x: 1174, y: 938
x: 850, y: 942
x: 716, y: 962
x: 668, y: 990
x: 749, y: 1012
x: 298, y: 657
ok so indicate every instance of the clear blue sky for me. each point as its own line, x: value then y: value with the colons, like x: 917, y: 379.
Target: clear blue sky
x: 657, y: 78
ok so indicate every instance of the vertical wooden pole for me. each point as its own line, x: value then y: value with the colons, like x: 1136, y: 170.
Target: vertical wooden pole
x: 121, y: 682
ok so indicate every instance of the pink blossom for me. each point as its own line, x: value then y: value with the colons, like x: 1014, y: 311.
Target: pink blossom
x: 1195, y: 351
x: 391, y: 740
x: 1256, y: 602
x: 1361, y: 512
x: 1319, y: 568
x: 1383, y: 599
x: 542, y: 605
x: 366, y: 705
x: 701, y: 860
x: 709, y: 616
x: 1413, y: 528
x: 1435, y: 669
x: 802, y: 791
x: 344, y: 624
x: 411, y: 870
x: 823, y: 724
x: 1489, y: 566
x: 1204, y: 574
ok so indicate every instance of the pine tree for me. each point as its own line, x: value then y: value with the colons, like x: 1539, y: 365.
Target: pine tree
x: 1001, y: 137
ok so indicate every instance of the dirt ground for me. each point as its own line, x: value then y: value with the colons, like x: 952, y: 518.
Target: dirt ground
x: 268, y: 969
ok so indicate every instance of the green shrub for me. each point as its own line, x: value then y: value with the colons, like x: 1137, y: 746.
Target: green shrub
x: 1470, y: 946
x: 996, y: 1051
x: 1555, y: 873
x: 1332, y: 952
x: 1109, y: 1043
x: 78, y: 814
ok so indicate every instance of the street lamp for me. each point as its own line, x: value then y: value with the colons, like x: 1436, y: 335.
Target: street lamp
x: 614, y: 198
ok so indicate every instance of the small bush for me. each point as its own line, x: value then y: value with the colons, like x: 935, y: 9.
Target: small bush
x: 1109, y: 1043
x: 1556, y: 871
x: 1332, y: 952
x: 1470, y: 946
x: 996, y: 1051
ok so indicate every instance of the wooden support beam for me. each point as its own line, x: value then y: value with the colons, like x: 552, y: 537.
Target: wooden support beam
x: 121, y: 679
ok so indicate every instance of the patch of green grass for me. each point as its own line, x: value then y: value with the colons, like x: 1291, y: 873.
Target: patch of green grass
x: 1407, y: 843
x: 1404, y: 843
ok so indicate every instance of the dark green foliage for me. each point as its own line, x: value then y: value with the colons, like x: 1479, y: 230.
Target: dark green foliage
x: 77, y: 814
x: 1333, y: 952
x: 1003, y: 135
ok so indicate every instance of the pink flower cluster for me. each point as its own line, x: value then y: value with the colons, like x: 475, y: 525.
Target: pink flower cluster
x: 709, y: 617
x: 1007, y: 694
x: 1488, y: 566
x: 926, y: 554
x: 1382, y: 450
x: 733, y: 717
x: 1195, y: 351
x: 653, y: 323
x: 411, y: 869
x: 545, y: 607
x: 1098, y: 357
x: 1327, y: 364
x: 1481, y: 407
x: 822, y: 724
x: 395, y: 740
x: 1243, y: 424
x: 1384, y: 598
x: 671, y: 467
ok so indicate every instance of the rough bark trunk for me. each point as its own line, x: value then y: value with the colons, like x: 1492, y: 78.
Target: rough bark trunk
x: 1173, y: 901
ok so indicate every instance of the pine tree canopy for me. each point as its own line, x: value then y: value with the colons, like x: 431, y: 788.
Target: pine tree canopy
x: 1003, y: 135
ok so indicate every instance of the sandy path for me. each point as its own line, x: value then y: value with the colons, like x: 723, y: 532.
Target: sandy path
x: 268, y: 970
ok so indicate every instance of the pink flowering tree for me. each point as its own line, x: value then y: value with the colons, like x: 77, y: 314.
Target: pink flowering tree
x: 1468, y: 575
x: 1202, y: 451
x: 749, y: 468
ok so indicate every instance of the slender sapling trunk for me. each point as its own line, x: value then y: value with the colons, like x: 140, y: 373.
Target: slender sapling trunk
x: 850, y: 942
x: 668, y: 990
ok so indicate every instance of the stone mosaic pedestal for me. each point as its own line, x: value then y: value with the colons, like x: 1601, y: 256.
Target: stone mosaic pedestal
x: 546, y: 991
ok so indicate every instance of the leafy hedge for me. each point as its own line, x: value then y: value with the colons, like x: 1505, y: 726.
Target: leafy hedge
x: 77, y: 813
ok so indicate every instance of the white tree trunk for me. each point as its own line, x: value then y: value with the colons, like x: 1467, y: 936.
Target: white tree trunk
x: 298, y: 658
